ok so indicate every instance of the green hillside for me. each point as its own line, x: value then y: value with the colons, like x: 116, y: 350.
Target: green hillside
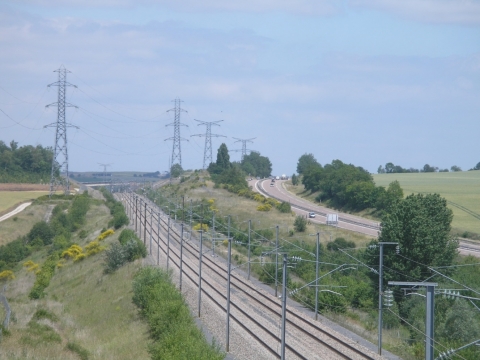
x: 461, y: 189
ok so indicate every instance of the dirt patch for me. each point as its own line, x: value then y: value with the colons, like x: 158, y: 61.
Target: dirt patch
x: 24, y: 187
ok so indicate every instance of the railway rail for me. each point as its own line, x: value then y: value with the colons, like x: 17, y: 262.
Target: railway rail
x: 214, y: 289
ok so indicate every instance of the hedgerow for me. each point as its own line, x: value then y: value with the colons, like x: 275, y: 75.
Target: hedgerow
x: 44, y: 276
x: 172, y: 328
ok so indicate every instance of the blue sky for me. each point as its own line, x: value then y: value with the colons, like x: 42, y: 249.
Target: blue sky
x: 364, y: 81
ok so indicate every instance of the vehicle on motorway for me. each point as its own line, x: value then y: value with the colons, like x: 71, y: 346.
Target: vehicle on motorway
x: 311, y: 214
x: 277, y: 178
x: 272, y: 184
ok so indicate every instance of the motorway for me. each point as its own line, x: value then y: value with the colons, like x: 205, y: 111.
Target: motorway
x: 346, y: 221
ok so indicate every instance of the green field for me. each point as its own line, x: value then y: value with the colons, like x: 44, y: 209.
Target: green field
x: 9, y: 199
x: 461, y: 189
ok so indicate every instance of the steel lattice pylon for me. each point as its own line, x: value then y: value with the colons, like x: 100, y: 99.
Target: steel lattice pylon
x: 207, y: 154
x: 176, y: 150
x: 244, y: 145
x: 60, y: 151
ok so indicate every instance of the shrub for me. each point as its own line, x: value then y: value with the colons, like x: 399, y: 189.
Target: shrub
x: 115, y: 257
x: 126, y: 235
x: 135, y: 249
x: 340, y: 243
x: 174, y: 333
x: 72, y: 252
x: 284, y: 207
x: 105, y: 234
x: 31, y: 266
x: 264, y: 207
x: 199, y: 226
x: 6, y: 275
x: 93, y: 248
x: 300, y: 224
x: 44, y: 276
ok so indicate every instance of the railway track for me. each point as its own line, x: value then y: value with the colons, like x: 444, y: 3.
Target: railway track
x: 270, y: 307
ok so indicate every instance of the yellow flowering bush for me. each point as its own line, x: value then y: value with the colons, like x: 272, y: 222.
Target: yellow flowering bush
x: 105, y: 234
x: 31, y: 266
x: 264, y: 207
x: 72, y: 252
x: 203, y: 227
x: 80, y: 257
x: 259, y: 198
x: 93, y: 248
x: 6, y: 275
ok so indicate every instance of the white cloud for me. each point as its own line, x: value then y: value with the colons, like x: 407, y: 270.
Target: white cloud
x: 431, y: 11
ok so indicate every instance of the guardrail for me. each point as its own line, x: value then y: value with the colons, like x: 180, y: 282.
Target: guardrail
x: 345, y: 220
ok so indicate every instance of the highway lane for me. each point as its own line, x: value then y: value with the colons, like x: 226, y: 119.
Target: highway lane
x: 303, y: 207
x: 351, y: 222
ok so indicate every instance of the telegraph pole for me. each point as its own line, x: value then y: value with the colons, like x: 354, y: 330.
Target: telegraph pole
x: 207, y: 153
x: 176, y: 150
x: 60, y: 151
x: 244, y: 145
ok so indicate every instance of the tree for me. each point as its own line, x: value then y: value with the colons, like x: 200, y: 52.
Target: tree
x: 300, y: 224
x: 305, y: 162
x: 294, y: 180
x: 381, y: 170
x: 428, y: 168
x: 421, y: 225
x: 389, y: 168
x: 477, y: 167
x: 256, y: 165
x: 223, y: 158
x: 455, y: 168
x: 176, y: 170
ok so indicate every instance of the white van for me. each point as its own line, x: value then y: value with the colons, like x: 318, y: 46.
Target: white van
x: 311, y: 214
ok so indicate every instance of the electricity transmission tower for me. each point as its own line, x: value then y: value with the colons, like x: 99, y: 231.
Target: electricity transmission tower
x: 105, y: 171
x: 60, y: 152
x: 244, y: 145
x: 176, y: 150
x: 207, y: 153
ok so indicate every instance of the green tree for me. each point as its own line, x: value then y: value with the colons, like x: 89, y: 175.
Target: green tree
x: 261, y: 165
x: 305, y: 162
x: 300, y: 224
x: 294, y: 180
x: 461, y: 323
x: 176, y: 170
x: 421, y: 225
x: 428, y: 168
x: 477, y: 167
x: 223, y: 158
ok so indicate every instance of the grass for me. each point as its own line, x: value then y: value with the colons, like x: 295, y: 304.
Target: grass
x: 9, y: 199
x: 85, y: 313
x: 242, y: 209
x: 459, y: 188
x: 21, y: 223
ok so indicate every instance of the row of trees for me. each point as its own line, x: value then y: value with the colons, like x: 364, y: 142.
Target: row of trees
x: 345, y: 185
x: 391, y: 168
x: 233, y: 173
x: 25, y: 164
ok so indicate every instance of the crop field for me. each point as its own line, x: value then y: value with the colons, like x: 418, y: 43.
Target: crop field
x: 461, y: 189
x: 8, y: 199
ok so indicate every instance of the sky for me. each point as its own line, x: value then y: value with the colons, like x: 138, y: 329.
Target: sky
x: 364, y: 81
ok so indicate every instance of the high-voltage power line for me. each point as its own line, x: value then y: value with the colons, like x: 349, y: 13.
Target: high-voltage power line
x: 176, y: 150
x: 60, y: 152
x: 207, y: 153
x: 244, y: 145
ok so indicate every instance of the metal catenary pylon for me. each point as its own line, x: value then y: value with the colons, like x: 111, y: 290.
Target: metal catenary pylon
x: 207, y: 153
x: 244, y: 145
x: 176, y: 150
x: 60, y: 151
